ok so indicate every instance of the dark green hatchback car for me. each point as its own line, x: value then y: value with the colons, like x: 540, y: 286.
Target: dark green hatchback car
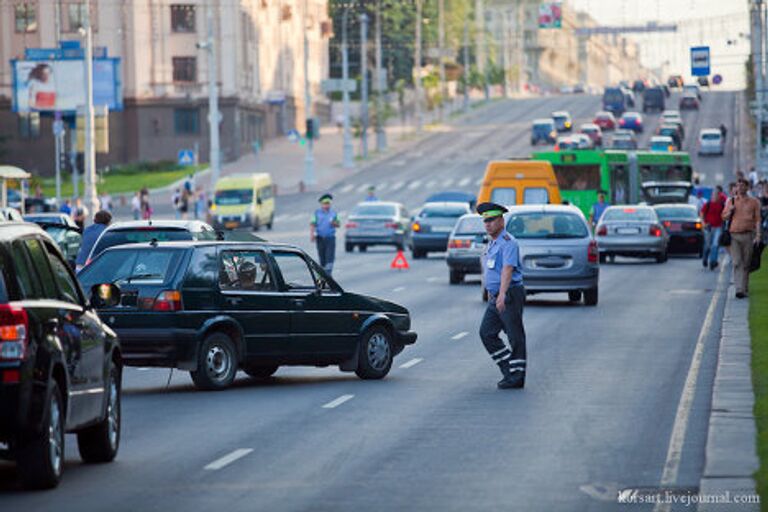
x: 213, y: 307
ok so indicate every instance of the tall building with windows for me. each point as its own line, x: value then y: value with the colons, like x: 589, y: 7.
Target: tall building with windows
x: 164, y: 74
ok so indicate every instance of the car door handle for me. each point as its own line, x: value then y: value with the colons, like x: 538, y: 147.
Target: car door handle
x: 234, y: 300
x: 299, y: 302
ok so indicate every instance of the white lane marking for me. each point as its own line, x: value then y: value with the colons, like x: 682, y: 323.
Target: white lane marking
x: 414, y: 185
x: 431, y: 184
x: 433, y: 279
x: 448, y: 182
x: 412, y: 362
x: 228, y: 459
x: 479, y: 181
x: 464, y: 182
x: 677, y: 439
x: 398, y: 185
x: 335, y: 403
x: 382, y: 186
x: 459, y: 335
x: 398, y: 289
x: 363, y: 187
x: 347, y: 188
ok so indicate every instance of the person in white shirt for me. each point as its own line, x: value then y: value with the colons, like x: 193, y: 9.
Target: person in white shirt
x: 136, y: 206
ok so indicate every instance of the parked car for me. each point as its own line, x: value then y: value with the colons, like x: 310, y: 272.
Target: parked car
x: 593, y: 132
x: 557, y: 250
x: 465, y: 247
x: 689, y: 101
x: 249, y: 306
x: 377, y: 223
x: 632, y: 121
x: 605, y: 120
x: 133, y: 232
x: 432, y: 226
x: 662, y: 144
x: 562, y: 120
x: 633, y: 231
x: 543, y: 130
x: 653, y: 99
x: 60, y: 366
x: 711, y: 142
x: 684, y: 227
x: 62, y: 229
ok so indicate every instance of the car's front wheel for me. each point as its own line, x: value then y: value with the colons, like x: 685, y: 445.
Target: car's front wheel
x: 40, y: 456
x: 216, y: 364
x: 260, y: 371
x: 455, y: 277
x: 375, y: 354
x: 574, y: 296
x: 349, y: 247
x: 100, y: 442
x: 590, y: 297
x: 661, y: 258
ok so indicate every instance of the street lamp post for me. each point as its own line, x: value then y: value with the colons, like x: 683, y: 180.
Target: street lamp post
x: 213, y: 101
x: 347, y: 159
x: 91, y: 197
x: 417, y: 68
x: 309, y: 158
x: 381, y: 135
x: 364, y: 84
x: 441, y: 45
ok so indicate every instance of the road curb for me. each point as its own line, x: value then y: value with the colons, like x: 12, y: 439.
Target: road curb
x: 731, y: 451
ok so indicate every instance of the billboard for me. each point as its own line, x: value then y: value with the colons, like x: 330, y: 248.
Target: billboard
x: 58, y: 85
x: 550, y: 15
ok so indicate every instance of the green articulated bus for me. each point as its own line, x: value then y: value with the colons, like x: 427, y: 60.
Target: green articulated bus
x: 581, y: 174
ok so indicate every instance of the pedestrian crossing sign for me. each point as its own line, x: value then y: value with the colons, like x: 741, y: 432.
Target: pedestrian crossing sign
x: 186, y: 157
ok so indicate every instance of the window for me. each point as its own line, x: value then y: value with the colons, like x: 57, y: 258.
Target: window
x: 24, y: 276
x: 136, y: 266
x: 578, y: 177
x: 504, y: 196
x: 265, y: 193
x: 184, y: 69
x: 245, y: 271
x: 183, y: 18
x: 547, y: 225
x: 67, y: 287
x: 375, y: 210
x: 535, y: 195
x: 26, y: 17
x: 470, y: 226
x: 75, y: 16
x: 29, y: 125
x: 40, y: 263
x: 295, y: 271
x: 186, y: 121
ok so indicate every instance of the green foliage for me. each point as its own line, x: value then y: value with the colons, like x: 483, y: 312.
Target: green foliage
x: 758, y: 327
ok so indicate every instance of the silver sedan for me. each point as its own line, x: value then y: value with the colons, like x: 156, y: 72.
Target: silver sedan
x: 633, y: 231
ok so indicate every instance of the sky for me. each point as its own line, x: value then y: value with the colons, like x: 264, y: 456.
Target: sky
x: 700, y: 23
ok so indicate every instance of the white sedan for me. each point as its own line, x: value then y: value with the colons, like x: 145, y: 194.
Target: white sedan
x: 711, y: 142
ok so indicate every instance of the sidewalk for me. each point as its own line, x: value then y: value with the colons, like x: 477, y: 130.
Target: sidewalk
x: 731, y: 452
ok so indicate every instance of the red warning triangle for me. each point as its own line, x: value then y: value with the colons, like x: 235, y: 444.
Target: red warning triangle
x: 399, y: 262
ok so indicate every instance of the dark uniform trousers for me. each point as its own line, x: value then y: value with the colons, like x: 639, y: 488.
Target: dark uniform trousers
x: 511, y: 322
x: 326, y: 251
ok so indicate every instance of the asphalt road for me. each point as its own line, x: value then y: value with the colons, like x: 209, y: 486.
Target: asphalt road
x: 597, y: 414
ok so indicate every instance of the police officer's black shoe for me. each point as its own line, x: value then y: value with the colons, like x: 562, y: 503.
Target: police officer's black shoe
x: 514, y: 381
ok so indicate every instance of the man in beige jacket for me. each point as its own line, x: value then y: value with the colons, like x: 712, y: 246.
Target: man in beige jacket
x: 743, y: 212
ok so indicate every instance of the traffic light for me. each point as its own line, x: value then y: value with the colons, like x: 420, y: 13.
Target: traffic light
x: 310, y: 131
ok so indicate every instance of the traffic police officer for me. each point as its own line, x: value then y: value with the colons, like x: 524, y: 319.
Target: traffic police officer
x: 322, y: 230
x: 506, y: 296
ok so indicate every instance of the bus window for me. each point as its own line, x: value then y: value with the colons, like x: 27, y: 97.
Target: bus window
x: 578, y: 177
x: 504, y: 196
x: 535, y: 195
x: 619, y: 184
x: 665, y: 173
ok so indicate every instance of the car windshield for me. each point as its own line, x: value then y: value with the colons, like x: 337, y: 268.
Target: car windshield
x: 155, y: 266
x: 431, y: 212
x: 710, y: 136
x: 470, y: 226
x: 560, y: 118
x: 677, y: 212
x: 628, y: 214
x: 670, y: 191
x: 114, y: 237
x: 234, y: 196
x: 378, y: 210
x: 43, y: 219
x: 546, y: 225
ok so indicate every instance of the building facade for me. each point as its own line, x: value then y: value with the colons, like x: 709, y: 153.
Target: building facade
x: 260, y: 51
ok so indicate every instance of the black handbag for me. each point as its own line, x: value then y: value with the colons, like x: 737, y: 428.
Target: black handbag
x: 757, y: 253
x: 725, y: 236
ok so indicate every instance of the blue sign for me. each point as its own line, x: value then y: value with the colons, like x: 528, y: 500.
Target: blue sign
x: 700, y: 61
x: 186, y: 157
x: 717, y: 79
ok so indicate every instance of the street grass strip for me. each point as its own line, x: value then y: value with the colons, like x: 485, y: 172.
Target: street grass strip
x: 758, y: 327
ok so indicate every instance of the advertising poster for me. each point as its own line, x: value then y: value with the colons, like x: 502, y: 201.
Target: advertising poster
x: 550, y: 15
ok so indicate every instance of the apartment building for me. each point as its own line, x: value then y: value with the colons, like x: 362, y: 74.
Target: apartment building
x: 260, y: 50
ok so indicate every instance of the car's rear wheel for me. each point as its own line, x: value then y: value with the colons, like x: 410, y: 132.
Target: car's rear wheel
x: 603, y: 258
x: 574, y: 296
x: 100, y: 442
x: 375, y: 354
x: 216, y: 364
x: 362, y: 247
x: 349, y: 247
x: 661, y: 258
x: 418, y: 253
x: 260, y: 371
x: 271, y: 221
x: 455, y: 277
x: 40, y: 456
x: 590, y: 297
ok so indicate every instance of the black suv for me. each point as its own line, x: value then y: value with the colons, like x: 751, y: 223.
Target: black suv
x: 60, y: 367
x: 214, y: 307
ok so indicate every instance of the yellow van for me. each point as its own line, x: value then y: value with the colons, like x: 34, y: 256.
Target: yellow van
x: 244, y: 201
x: 510, y: 182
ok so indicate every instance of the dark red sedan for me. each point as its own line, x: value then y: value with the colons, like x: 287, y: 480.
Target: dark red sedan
x: 605, y: 120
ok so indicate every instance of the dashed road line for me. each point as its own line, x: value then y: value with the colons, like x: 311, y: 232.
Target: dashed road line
x: 335, y: 403
x: 398, y: 289
x: 464, y: 182
x: 397, y: 186
x: 412, y: 362
x: 414, y: 185
x: 431, y: 184
x: 363, y: 187
x: 448, y: 182
x: 347, y: 188
x: 228, y: 459
x: 433, y: 279
x: 459, y: 335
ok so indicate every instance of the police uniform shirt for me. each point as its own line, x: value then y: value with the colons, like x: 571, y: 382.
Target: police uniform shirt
x: 325, y: 222
x: 500, y: 252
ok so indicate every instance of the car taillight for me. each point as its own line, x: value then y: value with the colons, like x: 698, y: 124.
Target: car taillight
x: 458, y: 243
x: 602, y: 230
x: 698, y: 225
x: 655, y: 230
x: 392, y: 225
x: 592, y: 252
x: 14, y: 332
x: 621, y: 122
x: 416, y: 226
x: 666, y: 223
x: 351, y: 225
x: 168, y: 300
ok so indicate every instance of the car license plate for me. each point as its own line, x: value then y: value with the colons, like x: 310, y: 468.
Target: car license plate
x: 442, y: 229
x: 232, y: 224
x: 675, y: 226
x: 627, y: 231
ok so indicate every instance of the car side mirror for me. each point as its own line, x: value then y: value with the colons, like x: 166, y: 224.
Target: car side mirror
x: 105, y: 295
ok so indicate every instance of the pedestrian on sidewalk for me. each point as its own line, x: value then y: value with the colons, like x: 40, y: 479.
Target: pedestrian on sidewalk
x: 322, y: 231
x: 66, y: 207
x: 184, y: 203
x: 712, y: 213
x: 79, y: 213
x: 743, y: 214
x: 176, y: 203
x: 136, y: 206
x: 506, y: 298
x: 200, y: 204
